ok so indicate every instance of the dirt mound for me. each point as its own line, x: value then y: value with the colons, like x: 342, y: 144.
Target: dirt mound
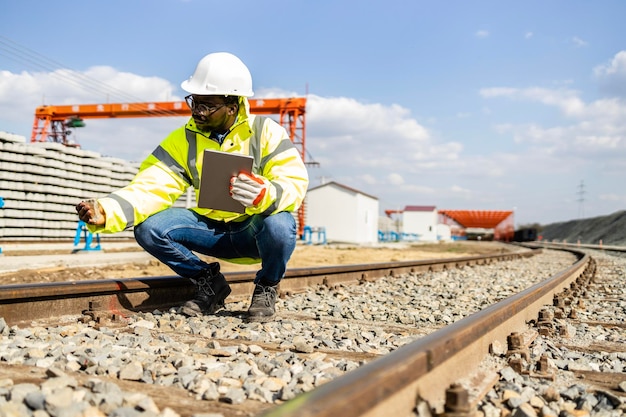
x: 611, y: 230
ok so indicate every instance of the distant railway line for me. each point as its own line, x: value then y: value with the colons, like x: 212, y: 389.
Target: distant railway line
x: 327, y: 354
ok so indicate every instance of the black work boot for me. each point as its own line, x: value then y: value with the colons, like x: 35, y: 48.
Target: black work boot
x: 211, y: 291
x: 263, y: 300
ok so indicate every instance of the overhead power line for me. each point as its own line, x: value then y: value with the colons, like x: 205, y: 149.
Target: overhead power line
x: 36, y: 61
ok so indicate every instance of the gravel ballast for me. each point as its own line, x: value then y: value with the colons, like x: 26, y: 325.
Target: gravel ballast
x: 224, y: 358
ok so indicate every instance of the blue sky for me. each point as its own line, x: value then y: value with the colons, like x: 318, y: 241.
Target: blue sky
x: 482, y: 105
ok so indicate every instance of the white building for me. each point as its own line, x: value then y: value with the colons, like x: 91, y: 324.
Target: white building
x: 444, y: 232
x: 346, y: 214
x: 420, y: 220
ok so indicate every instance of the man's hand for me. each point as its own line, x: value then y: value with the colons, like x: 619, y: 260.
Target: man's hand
x: 248, y: 188
x: 91, y: 212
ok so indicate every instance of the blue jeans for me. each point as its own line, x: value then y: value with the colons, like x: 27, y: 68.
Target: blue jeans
x: 173, y: 235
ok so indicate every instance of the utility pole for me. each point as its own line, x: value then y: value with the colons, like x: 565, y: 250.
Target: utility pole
x: 581, y: 199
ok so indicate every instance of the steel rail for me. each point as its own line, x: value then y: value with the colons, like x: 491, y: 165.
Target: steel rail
x: 426, y: 368
x: 22, y: 303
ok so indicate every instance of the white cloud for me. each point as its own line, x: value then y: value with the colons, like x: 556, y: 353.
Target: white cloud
x: 528, y: 35
x: 613, y: 198
x: 593, y: 132
x: 482, y: 33
x: 131, y: 139
x: 617, y: 66
x: 395, y: 179
x: 369, y: 179
x: 612, y: 75
x: 347, y: 133
x: 579, y: 42
x: 460, y: 190
x: 566, y: 100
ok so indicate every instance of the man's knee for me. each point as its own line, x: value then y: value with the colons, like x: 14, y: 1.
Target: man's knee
x: 282, y: 225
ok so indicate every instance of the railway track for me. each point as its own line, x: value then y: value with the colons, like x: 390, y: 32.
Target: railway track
x: 23, y: 303
x: 415, y: 365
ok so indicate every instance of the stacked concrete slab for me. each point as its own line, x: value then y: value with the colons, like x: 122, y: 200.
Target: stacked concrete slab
x: 40, y: 183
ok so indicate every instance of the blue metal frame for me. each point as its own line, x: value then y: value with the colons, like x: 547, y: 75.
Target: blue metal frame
x: 82, y: 228
x: 307, y: 235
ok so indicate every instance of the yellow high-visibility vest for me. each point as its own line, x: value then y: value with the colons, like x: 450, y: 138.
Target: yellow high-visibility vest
x: 176, y: 163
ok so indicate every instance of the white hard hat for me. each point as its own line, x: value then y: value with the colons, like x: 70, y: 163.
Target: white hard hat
x: 220, y: 73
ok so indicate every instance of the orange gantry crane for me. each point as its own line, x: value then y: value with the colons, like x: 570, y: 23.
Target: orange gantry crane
x: 54, y: 123
x: 502, y: 221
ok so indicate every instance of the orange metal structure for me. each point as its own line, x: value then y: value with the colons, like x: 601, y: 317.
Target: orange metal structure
x: 500, y: 220
x: 54, y: 123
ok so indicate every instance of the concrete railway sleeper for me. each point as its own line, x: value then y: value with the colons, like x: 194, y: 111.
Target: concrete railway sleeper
x: 452, y: 337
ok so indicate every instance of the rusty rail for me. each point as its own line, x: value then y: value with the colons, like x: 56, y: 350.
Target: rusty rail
x: 21, y: 303
x: 426, y: 368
